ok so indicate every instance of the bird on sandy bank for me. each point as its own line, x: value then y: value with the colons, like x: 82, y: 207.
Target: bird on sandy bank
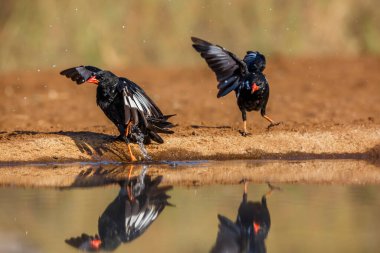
x: 126, y: 104
x: 245, y: 77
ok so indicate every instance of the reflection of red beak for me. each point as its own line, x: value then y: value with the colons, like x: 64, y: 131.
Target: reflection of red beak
x: 256, y: 227
x: 93, y: 80
x: 95, y: 244
x: 254, y: 88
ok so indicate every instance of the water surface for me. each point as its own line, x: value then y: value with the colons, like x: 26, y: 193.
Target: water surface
x: 304, y: 218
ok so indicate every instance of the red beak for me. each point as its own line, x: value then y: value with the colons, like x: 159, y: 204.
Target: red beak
x: 95, y: 244
x: 93, y: 80
x: 254, y: 88
x: 256, y: 227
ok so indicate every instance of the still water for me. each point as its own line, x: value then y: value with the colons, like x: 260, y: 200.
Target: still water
x: 144, y: 215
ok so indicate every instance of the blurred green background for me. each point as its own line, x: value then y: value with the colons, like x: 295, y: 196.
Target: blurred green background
x: 47, y: 34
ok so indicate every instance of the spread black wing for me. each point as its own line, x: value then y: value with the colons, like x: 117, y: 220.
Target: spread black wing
x: 143, y: 102
x: 80, y: 74
x: 142, y: 212
x: 229, y: 237
x: 229, y: 69
x: 151, y: 116
x: 140, y: 219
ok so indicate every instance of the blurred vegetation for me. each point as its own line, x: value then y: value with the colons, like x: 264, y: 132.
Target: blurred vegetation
x: 46, y: 33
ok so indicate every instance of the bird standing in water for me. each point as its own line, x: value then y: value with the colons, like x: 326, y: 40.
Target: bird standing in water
x: 245, y: 77
x: 135, y: 115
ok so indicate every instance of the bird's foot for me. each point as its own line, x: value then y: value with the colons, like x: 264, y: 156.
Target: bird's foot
x: 273, y: 187
x: 119, y: 138
x: 243, y: 180
x: 133, y: 158
x: 243, y: 133
x: 273, y: 125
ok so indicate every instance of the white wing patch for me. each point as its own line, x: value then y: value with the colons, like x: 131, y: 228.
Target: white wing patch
x: 137, y: 101
x: 141, y: 220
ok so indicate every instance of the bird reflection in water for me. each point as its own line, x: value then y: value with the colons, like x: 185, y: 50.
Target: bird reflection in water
x: 138, y: 204
x: 249, y: 231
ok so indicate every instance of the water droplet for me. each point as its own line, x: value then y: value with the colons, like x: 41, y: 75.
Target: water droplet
x: 76, y: 9
x: 53, y: 94
x: 38, y: 70
x: 144, y: 152
x: 123, y: 26
x: 53, y: 66
x: 50, y: 26
x: 144, y: 41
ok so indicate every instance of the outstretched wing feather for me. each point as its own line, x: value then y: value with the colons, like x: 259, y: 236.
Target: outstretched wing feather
x: 225, y: 65
x: 80, y: 74
x: 141, y: 99
x: 136, y: 225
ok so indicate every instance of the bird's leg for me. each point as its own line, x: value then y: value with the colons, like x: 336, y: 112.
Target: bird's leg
x: 130, y: 172
x: 272, y: 123
x: 244, y: 180
x: 244, y: 116
x: 130, y: 193
x: 271, y: 189
x: 133, y: 158
x: 129, y: 184
x: 128, y: 130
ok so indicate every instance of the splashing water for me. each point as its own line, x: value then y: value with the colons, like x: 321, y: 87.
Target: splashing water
x: 144, y: 152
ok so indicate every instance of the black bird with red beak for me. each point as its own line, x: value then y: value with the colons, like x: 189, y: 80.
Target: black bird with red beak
x: 245, y: 77
x: 135, y: 115
x: 139, y: 203
x: 249, y: 231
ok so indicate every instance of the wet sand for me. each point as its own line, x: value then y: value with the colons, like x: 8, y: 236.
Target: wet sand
x: 354, y: 172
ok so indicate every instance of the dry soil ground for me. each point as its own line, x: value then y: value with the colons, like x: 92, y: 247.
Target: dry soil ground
x: 329, y: 108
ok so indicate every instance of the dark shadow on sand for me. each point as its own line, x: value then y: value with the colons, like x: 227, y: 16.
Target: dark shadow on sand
x: 210, y: 127
x: 90, y: 143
